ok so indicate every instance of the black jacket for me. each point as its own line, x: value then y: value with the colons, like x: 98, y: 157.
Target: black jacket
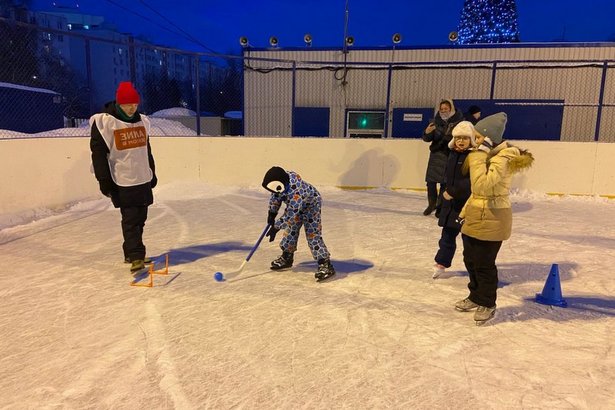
x: 439, y: 138
x: 457, y: 186
x: 139, y: 195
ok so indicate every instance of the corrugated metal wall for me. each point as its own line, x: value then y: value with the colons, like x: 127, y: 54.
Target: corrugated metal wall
x: 421, y: 77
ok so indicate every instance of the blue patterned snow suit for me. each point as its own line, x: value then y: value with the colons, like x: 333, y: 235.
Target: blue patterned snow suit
x: 303, y: 204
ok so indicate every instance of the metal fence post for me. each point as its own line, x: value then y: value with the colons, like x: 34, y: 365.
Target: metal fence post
x: 605, y: 66
x: 388, y: 103
x: 294, y: 90
x: 88, y: 70
x: 492, y: 91
x: 198, y: 95
x: 133, y: 60
x: 242, y: 95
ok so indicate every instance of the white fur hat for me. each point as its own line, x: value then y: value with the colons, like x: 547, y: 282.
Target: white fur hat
x: 463, y: 129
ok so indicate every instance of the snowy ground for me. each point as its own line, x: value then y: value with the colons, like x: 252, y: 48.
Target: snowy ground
x: 382, y: 334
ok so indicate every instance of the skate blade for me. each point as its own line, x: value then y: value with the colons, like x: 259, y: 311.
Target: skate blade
x: 280, y: 269
x: 147, y: 261
x: 464, y: 310
x: 482, y: 322
x: 437, y: 273
x: 325, y: 278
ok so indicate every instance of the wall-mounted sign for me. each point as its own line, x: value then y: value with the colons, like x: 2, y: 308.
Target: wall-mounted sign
x: 413, y: 117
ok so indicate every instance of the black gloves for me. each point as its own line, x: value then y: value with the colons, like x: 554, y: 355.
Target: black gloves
x: 271, y: 233
x: 271, y: 217
x: 460, y: 221
x: 107, y: 187
x: 154, y: 181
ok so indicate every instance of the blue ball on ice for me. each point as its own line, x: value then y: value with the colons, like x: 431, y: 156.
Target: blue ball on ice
x: 219, y: 277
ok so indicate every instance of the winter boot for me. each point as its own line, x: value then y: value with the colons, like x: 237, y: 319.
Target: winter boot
x: 483, y: 313
x: 325, y: 270
x: 283, y: 262
x: 465, y: 305
x: 137, y: 265
x: 429, y: 209
x: 437, y: 270
x: 438, y: 205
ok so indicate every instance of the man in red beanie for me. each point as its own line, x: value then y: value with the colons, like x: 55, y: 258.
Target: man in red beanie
x: 124, y: 166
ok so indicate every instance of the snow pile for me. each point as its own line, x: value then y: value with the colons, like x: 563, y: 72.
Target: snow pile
x: 174, y: 112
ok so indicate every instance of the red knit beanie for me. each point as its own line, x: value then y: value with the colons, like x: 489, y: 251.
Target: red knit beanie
x: 126, y: 94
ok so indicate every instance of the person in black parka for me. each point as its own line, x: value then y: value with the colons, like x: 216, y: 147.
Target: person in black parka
x: 457, y: 192
x: 439, y: 133
x: 473, y: 115
x: 124, y: 166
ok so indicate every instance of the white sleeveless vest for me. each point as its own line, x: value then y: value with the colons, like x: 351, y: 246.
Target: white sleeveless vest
x: 128, y: 159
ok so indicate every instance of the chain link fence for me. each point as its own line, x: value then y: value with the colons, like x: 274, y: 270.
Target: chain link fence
x: 52, y: 81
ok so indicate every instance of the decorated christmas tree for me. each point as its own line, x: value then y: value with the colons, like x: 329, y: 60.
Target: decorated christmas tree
x: 488, y: 21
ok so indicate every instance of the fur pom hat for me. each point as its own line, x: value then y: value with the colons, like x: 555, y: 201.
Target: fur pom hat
x: 463, y: 129
x: 276, y: 180
x: 493, y: 127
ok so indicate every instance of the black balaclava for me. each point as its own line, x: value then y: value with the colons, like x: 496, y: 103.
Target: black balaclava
x: 276, y: 180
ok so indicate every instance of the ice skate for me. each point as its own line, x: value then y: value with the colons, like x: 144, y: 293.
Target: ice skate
x: 137, y: 265
x: 325, y: 270
x: 465, y: 305
x: 437, y: 270
x: 483, y: 314
x: 285, y: 261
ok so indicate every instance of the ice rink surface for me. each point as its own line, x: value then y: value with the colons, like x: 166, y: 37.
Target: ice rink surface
x: 381, y: 334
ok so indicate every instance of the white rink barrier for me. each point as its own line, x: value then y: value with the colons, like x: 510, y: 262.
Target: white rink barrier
x: 51, y: 173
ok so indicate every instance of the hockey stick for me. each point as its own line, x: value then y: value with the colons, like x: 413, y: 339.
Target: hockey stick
x: 220, y: 277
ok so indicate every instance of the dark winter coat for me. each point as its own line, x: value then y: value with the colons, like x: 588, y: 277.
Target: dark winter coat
x: 138, y: 195
x: 439, y: 138
x: 457, y: 186
x: 470, y: 117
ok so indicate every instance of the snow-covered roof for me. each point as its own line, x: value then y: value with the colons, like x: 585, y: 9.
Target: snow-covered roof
x: 174, y: 112
x: 159, y: 127
x: 26, y: 88
x: 236, y: 115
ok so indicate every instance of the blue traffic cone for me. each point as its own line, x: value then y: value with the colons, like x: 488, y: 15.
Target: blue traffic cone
x: 552, y: 292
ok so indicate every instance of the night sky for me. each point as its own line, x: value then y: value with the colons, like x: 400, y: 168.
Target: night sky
x: 217, y: 25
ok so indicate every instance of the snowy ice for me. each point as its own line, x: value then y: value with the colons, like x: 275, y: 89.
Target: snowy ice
x: 381, y: 334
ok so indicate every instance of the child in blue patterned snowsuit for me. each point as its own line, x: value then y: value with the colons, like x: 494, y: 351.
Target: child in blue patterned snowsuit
x: 303, y: 206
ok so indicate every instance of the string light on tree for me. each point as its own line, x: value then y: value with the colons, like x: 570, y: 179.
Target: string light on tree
x: 488, y: 21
